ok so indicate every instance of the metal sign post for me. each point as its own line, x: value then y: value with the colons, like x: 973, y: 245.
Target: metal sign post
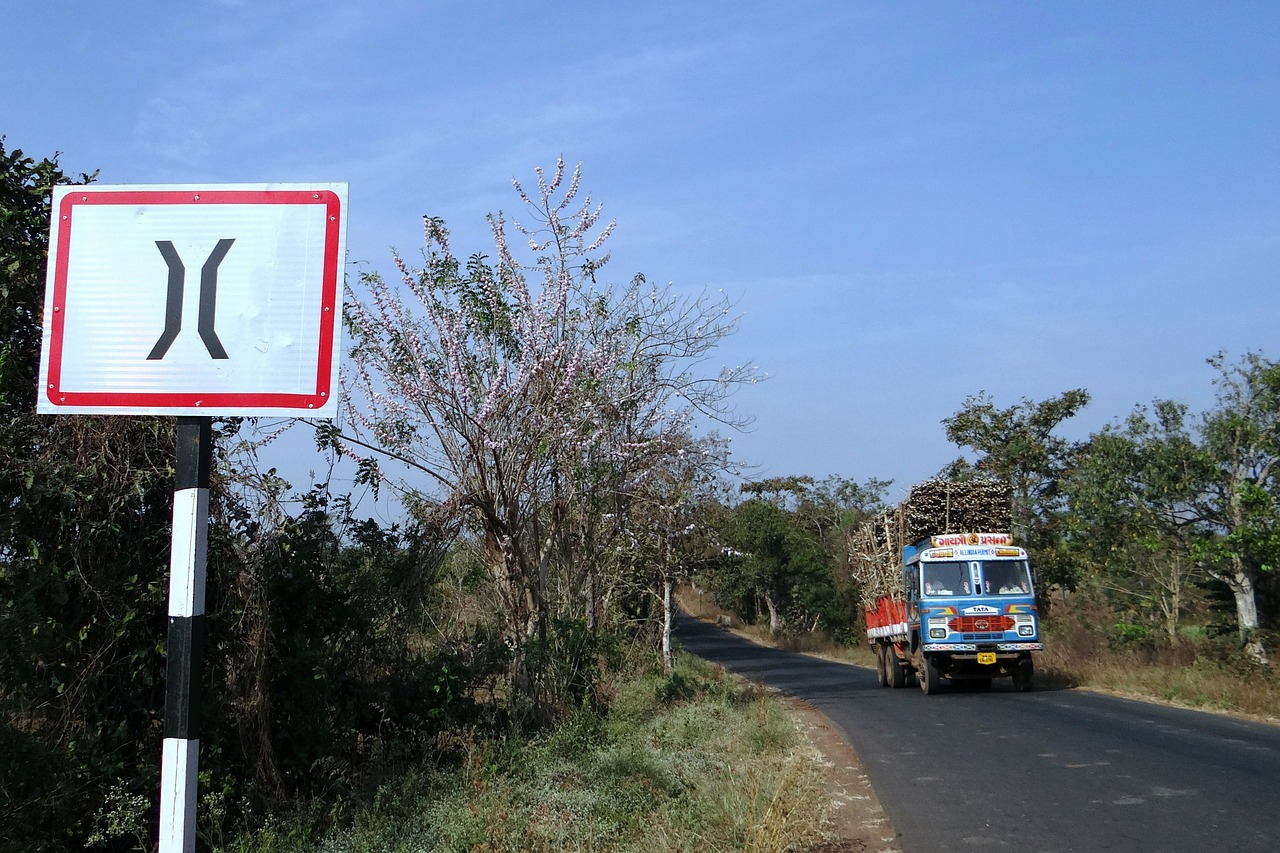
x: 180, y: 758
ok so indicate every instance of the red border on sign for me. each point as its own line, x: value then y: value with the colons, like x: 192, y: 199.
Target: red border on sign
x: 143, y: 400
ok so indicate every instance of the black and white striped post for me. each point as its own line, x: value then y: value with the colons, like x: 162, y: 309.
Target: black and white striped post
x: 180, y: 759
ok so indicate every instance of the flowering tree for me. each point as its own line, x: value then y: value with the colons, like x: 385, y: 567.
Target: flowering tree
x: 526, y: 392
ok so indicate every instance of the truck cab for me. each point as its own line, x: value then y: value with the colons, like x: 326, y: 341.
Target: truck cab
x: 972, y: 608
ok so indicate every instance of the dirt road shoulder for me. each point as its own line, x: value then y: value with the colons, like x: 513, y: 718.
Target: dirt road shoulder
x: 856, y: 823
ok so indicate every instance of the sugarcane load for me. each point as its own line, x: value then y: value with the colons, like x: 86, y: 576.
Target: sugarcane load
x: 947, y: 591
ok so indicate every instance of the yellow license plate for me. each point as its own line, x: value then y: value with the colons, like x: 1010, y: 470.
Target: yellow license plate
x: 986, y: 657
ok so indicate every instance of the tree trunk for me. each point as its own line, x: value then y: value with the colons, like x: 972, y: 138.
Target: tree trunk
x: 666, y: 623
x: 1242, y: 587
x: 592, y: 601
x: 1171, y: 607
x: 775, y: 618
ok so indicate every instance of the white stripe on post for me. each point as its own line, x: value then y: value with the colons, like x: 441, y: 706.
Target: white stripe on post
x: 190, y: 543
x: 179, y: 767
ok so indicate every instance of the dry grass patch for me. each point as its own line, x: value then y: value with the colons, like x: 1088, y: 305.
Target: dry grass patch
x: 1198, y: 672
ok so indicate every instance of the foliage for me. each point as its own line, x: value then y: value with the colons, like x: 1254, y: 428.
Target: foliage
x: 1165, y: 501
x: 86, y: 511
x: 787, y: 552
x: 1017, y: 445
x: 1129, y: 529
x: 315, y: 628
x: 1241, y: 503
x: 26, y: 187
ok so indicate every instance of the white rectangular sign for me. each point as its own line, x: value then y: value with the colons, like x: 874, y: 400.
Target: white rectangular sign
x: 194, y: 300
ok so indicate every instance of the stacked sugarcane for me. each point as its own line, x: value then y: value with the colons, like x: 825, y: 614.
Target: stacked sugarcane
x: 942, y: 506
x: 875, y: 551
x: 932, y: 507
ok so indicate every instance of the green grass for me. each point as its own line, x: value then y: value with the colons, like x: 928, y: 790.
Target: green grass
x: 692, y: 760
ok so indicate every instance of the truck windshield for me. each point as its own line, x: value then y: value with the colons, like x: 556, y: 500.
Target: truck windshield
x: 945, y: 577
x: 1006, y: 577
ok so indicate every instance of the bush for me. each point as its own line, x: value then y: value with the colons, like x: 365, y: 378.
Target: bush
x: 1126, y: 635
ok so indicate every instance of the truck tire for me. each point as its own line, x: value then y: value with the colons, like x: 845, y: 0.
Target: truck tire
x: 1024, y: 674
x: 897, y: 670
x: 882, y: 677
x: 930, y: 678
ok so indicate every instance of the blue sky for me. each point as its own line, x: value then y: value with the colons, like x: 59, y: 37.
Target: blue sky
x: 911, y: 202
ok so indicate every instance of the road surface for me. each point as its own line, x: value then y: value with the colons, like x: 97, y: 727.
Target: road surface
x: 1050, y: 770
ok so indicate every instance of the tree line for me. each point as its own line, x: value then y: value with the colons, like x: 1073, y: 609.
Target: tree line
x: 1166, y: 518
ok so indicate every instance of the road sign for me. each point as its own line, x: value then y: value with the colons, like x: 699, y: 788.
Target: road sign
x: 194, y: 300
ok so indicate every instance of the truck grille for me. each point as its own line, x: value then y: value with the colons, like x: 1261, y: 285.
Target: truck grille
x: 981, y: 624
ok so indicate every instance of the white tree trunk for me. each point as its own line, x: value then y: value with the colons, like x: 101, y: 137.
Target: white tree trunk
x: 1242, y: 587
x: 775, y: 618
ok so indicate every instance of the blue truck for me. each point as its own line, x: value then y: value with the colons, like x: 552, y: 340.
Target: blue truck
x: 965, y: 614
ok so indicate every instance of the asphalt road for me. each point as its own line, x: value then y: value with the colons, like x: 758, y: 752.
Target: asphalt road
x: 1050, y: 770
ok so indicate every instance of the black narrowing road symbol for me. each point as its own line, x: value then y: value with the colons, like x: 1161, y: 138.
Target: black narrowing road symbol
x: 208, y: 299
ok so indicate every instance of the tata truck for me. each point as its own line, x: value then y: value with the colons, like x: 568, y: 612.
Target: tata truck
x: 965, y: 614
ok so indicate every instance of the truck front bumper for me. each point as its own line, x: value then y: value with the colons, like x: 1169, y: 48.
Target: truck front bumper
x: 973, y: 647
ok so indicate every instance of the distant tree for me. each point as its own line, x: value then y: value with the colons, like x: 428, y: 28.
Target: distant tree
x: 787, y: 551
x: 834, y: 510
x: 1018, y: 445
x: 1204, y: 491
x: 1241, y: 504
x: 669, y: 509
x: 783, y: 492
x: 835, y: 507
x: 768, y: 549
x: 1131, y: 522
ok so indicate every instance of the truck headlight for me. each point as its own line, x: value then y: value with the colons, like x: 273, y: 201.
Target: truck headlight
x: 937, y: 633
x: 1026, y: 630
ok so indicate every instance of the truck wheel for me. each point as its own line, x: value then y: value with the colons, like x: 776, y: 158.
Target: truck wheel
x: 930, y: 678
x: 1024, y: 675
x: 882, y: 678
x: 897, y: 671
